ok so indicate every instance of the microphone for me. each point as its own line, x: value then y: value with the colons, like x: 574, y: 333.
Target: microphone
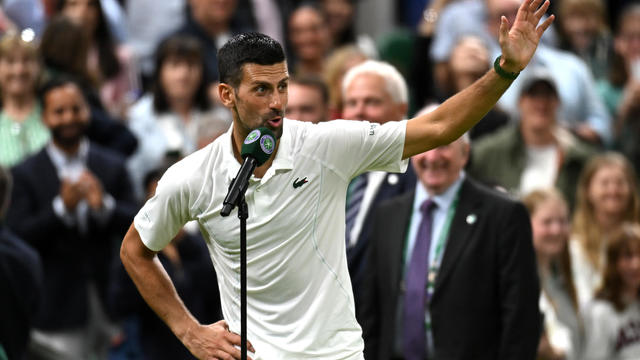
x: 256, y: 150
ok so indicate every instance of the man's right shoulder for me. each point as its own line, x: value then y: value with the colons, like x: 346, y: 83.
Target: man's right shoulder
x: 190, y: 171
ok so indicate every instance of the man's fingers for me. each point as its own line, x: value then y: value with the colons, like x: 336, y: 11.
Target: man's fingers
x: 233, y: 338
x: 523, y: 12
x: 504, y: 26
x: 533, y: 5
x: 541, y: 11
x: 222, y: 323
x: 541, y: 29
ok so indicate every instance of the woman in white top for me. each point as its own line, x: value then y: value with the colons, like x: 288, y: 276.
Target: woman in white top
x: 558, y: 301
x: 607, y: 196
x: 612, y: 319
x: 177, y: 117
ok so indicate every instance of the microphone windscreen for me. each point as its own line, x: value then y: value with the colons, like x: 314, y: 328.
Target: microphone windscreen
x: 259, y: 144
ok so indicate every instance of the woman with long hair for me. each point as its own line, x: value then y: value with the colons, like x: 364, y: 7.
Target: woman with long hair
x: 607, y: 196
x: 558, y: 301
x: 21, y: 131
x: 612, y: 320
x: 177, y: 117
x: 110, y: 65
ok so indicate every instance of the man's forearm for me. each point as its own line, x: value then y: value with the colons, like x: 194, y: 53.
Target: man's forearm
x: 455, y: 116
x: 154, y: 285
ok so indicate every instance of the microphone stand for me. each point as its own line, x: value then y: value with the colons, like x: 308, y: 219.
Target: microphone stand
x: 243, y: 214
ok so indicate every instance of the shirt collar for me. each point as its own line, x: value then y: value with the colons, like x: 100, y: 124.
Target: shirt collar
x: 443, y: 200
x: 282, y: 161
x: 60, y: 158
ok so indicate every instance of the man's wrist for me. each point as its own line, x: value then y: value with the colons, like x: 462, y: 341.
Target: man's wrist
x: 503, y: 70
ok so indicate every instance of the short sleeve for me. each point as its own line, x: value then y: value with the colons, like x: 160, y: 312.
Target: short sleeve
x: 164, y: 214
x: 354, y: 147
x: 599, y: 331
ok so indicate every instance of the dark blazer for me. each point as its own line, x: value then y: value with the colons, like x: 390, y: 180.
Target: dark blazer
x: 21, y: 289
x: 393, y: 185
x: 70, y: 259
x: 485, y: 302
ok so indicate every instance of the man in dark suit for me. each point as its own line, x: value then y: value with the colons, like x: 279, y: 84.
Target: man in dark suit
x: 71, y: 201
x: 373, y: 91
x: 20, y: 281
x: 458, y: 282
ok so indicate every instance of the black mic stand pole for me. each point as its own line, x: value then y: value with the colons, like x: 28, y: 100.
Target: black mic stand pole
x: 243, y: 214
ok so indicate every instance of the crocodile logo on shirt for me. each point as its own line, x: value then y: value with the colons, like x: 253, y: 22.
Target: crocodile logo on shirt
x: 297, y: 184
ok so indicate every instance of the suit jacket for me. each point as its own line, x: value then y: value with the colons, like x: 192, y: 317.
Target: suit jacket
x: 485, y: 301
x: 21, y: 286
x: 393, y: 185
x: 70, y: 258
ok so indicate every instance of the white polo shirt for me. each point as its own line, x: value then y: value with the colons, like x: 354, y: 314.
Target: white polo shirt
x: 299, y: 297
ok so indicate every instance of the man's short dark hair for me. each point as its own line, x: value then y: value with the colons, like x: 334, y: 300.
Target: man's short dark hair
x: 55, y: 82
x: 246, y: 48
x: 5, y: 191
x: 313, y: 82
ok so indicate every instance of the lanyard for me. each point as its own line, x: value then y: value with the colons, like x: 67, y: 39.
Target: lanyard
x: 438, y: 252
x: 442, y: 239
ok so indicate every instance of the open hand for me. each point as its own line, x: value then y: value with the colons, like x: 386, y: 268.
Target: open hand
x: 519, y: 42
x: 215, y: 341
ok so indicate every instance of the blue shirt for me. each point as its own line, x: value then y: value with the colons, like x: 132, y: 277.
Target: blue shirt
x: 444, y: 202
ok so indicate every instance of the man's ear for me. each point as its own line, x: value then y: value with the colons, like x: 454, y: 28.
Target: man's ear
x: 227, y: 95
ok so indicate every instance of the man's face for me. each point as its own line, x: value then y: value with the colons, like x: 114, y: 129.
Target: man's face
x: 367, y: 98
x: 306, y: 104
x: 213, y: 12
x: 538, y: 108
x: 259, y: 100
x: 439, y: 168
x: 66, y: 114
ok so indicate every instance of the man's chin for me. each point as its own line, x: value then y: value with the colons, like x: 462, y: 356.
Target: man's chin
x: 67, y: 141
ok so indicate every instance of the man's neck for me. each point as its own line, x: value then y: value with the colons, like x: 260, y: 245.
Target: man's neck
x: 212, y: 28
x: 538, y: 138
x: 67, y: 149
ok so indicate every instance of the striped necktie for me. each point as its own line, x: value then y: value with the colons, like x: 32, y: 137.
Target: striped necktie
x: 355, y: 194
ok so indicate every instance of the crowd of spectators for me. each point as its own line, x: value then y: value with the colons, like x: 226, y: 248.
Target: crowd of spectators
x: 98, y: 97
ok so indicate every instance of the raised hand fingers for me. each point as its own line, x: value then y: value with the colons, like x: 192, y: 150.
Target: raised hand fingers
x: 533, y: 5
x: 541, y: 29
x: 541, y: 11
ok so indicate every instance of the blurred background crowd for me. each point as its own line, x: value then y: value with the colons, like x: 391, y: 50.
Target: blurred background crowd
x: 99, y: 97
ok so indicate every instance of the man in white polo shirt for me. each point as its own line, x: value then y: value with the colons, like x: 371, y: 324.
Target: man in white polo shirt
x: 300, y: 303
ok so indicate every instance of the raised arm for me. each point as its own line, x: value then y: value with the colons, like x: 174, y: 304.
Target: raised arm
x: 204, y: 341
x: 460, y: 112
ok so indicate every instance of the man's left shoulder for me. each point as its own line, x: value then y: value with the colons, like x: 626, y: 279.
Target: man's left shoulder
x: 493, y: 198
x: 105, y: 154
